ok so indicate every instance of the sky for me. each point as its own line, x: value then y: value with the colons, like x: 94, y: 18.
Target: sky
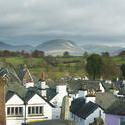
x: 82, y: 21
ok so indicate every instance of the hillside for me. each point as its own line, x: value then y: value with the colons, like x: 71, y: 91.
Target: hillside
x: 4, y: 46
x: 59, y: 46
x: 99, y: 48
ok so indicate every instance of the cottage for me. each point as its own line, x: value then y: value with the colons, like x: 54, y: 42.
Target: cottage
x: 115, y: 114
x: 27, y: 108
x: 84, y: 113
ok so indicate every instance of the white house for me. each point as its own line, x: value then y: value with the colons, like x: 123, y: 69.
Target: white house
x: 15, y: 109
x: 31, y: 108
x: 83, y: 112
x: 61, y: 91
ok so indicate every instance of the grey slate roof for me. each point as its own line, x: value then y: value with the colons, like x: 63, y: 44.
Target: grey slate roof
x: 105, y: 100
x: 22, y: 92
x: 9, y: 94
x: 3, y: 71
x: 117, y: 108
x: 51, y: 92
x: 82, y: 109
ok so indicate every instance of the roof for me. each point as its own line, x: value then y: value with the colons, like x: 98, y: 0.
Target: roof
x: 51, y: 93
x: 117, y: 108
x: 51, y: 122
x: 82, y: 109
x: 9, y: 94
x: 22, y: 92
x: 3, y: 71
x: 77, y: 85
x: 105, y: 100
x: 27, y: 77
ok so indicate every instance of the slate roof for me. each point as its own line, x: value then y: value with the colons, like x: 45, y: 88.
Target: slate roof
x: 10, y: 74
x: 78, y: 85
x: 105, y: 100
x: 9, y: 94
x: 3, y: 71
x: 22, y: 92
x: 117, y: 108
x: 82, y: 109
x: 51, y: 93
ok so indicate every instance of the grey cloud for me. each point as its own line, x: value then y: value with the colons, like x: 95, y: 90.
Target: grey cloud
x: 78, y: 20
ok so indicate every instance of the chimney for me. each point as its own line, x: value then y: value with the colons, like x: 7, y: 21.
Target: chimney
x: 43, y: 85
x: 43, y: 76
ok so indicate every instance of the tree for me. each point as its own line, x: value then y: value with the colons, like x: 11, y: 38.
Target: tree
x: 122, y: 68
x: 105, y: 54
x: 122, y: 53
x: 37, y: 54
x: 66, y: 54
x: 109, y: 69
x: 94, y: 65
x: 85, y: 54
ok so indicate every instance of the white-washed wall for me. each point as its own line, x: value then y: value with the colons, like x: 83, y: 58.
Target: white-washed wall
x: 95, y: 114
x: 15, y: 101
x: 57, y: 100
x: 56, y: 113
x: 92, y: 99
x: 47, y: 109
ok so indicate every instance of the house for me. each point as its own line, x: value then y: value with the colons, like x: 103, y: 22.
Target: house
x: 61, y: 91
x: 15, y: 109
x: 27, y: 80
x: 27, y: 107
x: 83, y: 112
x: 115, y: 114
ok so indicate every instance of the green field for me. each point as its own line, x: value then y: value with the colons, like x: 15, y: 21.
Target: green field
x: 54, y: 68
x: 119, y: 60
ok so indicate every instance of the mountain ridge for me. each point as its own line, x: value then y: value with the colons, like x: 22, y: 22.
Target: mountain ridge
x: 59, y: 46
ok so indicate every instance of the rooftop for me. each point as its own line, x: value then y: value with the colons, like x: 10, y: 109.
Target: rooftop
x: 82, y: 109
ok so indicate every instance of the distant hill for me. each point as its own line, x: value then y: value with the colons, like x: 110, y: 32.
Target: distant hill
x: 98, y: 48
x: 4, y: 46
x: 59, y: 46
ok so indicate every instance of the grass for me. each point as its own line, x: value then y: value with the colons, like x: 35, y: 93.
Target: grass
x: 38, y: 65
x: 119, y: 60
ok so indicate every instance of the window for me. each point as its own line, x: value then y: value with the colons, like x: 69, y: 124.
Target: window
x: 12, y: 110
x: 29, y: 110
x: 15, y: 111
x: 122, y: 121
x: 41, y: 110
x: 35, y: 110
x: 21, y: 110
x: 8, y: 111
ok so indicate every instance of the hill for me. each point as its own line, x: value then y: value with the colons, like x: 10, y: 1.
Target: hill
x: 99, y: 48
x: 59, y: 46
x: 4, y: 46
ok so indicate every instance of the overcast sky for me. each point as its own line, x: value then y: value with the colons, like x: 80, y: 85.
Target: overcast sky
x: 83, y: 21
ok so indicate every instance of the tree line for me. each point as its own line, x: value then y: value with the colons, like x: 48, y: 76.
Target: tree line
x: 35, y: 54
x: 102, y: 66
